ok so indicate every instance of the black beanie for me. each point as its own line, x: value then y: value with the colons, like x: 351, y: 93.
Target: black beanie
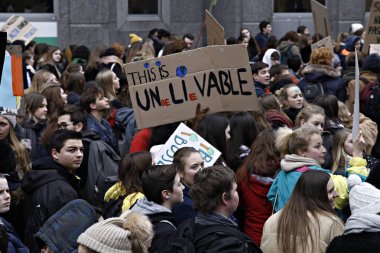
x: 372, y: 63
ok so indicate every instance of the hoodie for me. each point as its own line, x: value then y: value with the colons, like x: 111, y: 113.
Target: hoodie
x: 162, y: 220
x: 48, y: 187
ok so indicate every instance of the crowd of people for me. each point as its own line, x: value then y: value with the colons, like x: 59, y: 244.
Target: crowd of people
x: 78, y: 176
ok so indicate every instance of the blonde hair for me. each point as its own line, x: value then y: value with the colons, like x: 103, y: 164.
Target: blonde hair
x: 322, y: 56
x: 22, y: 155
x: 39, y: 79
x: 339, y: 155
x: 290, y: 141
x: 307, y: 112
x: 105, y: 79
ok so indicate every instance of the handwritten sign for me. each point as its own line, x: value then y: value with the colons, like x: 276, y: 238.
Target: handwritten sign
x: 215, y: 32
x: 167, y: 89
x: 326, y: 42
x: 185, y: 137
x: 374, y: 49
x: 320, y: 18
x: 373, y: 28
x: 19, y: 29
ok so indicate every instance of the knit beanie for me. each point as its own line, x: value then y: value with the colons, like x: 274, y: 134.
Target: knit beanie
x: 355, y: 27
x: 134, y: 38
x: 107, y: 236
x: 365, y: 198
x: 10, y: 117
x: 372, y: 63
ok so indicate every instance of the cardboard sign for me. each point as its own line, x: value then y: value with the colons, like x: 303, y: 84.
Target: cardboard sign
x: 372, y: 35
x: 326, y: 42
x: 217, y: 77
x: 19, y: 29
x: 374, y: 49
x: 215, y: 32
x: 320, y: 18
x: 185, y: 137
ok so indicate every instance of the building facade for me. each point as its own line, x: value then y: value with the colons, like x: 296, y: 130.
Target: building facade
x: 102, y: 22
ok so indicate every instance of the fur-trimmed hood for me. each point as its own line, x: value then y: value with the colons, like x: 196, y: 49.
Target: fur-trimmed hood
x: 323, y: 69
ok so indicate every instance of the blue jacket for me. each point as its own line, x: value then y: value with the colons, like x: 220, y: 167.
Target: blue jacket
x: 104, y: 130
x: 14, y: 243
x: 60, y: 232
x: 184, y: 211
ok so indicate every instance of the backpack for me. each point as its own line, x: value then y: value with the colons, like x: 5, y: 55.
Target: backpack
x: 191, y: 238
x: 286, y: 55
x: 125, y: 128
x: 372, y: 108
x: 366, y: 93
x: 312, y: 90
x: 102, y: 171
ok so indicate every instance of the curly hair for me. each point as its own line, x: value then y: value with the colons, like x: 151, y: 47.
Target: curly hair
x: 322, y: 56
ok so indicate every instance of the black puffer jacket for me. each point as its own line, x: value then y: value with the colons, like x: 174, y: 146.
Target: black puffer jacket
x: 33, y: 132
x: 48, y: 187
x: 327, y: 76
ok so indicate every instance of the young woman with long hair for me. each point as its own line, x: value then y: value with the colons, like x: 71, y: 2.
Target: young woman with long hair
x: 274, y: 113
x: 308, y: 222
x: 35, y: 123
x: 188, y: 162
x: 254, y: 178
x: 303, y: 150
x: 55, y: 96
x: 124, y: 194
x: 243, y: 131
x: 52, y: 61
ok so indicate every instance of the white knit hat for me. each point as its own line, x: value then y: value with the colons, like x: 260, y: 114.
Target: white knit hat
x: 355, y: 27
x: 107, y: 236
x: 10, y: 117
x: 365, y: 198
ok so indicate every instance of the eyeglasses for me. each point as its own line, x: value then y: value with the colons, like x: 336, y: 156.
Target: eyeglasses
x: 64, y: 125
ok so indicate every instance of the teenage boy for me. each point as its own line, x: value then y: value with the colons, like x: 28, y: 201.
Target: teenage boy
x: 265, y: 31
x: 261, y: 78
x: 215, y: 197
x: 52, y: 183
x: 96, y: 104
x: 163, y: 189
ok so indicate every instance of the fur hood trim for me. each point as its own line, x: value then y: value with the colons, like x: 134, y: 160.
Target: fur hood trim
x: 327, y: 70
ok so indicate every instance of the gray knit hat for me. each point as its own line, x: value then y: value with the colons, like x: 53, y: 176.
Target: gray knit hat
x: 365, y: 198
x: 107, y: 236
x: 10, y: 117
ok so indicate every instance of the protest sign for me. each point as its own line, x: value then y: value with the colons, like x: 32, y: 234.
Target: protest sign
x: 355, y: 125
x: 374, y: 49
x: 372, y: 35
x: 19, y: 29
x: 167, y: 89
x: 3, y: 43
x: 215, y: 32
x: 185, y: 137
x: 320, y: 18
x: 326, y: 42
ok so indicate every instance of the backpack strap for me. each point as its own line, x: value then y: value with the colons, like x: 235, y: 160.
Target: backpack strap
x: 302, y: 169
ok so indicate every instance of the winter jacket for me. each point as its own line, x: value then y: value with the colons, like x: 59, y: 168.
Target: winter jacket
x: 15, y: 245
x: 327, y: 76
x: 329, y: 227
x: 60, y: 232
x: 48, y: 187
x: 184, y: 211
x: 292, y: 167
x: 140, y: 142
x: 294, y: 50
x: 365, y: 76
x: 261, y: 40
x: 361, y: 234
x: 255, y: 204
x: 33, y: 132
x: 163, y: 223
x: 104, y: 130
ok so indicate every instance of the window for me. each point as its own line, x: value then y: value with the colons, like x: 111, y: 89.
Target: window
x: 27, y: 6
x: 143, y: 7
x: 293, y: 5
x: 368, y: 4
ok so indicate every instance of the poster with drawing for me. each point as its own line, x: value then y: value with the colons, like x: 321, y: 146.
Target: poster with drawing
x: 167, y: 89
x: 185, y: 137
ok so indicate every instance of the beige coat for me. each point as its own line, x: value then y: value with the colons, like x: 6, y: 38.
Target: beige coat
x: 330, y: 228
